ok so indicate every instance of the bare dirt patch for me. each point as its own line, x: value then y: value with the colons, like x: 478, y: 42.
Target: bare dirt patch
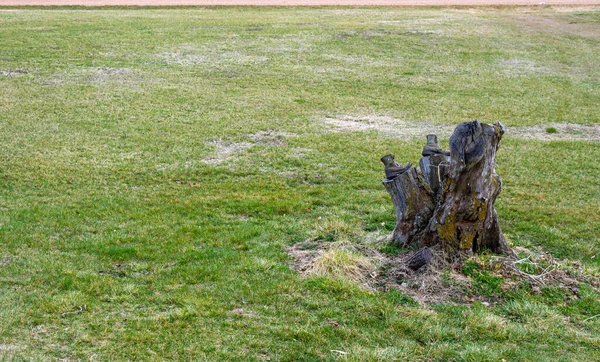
x: 303, y: 256
x: 189, y: 55
x: 108, y: 74
x: 404, y: 129
x: 123, y: 76
x: 9, y: 73
x: 564, y: 132
x: 225, y: 150
x: 387, y: 125
x: 553, y: 25
x: 516, y: 66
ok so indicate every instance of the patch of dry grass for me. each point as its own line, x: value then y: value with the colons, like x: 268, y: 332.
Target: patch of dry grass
x: 345, y: 264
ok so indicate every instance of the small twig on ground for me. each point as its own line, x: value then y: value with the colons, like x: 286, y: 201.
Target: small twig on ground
x: 340, y: 352
x: 81, y: 309
x: 544, y: 273
x: 524, y: 260
x: 535, y: 278
x: 587, y: 319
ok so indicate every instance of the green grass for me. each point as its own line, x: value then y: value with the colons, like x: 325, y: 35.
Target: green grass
x: 113, y: 196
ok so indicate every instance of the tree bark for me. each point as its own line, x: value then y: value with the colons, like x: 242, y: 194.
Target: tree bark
x: 413, y: 201
x: 450, y: 200
x: 434, y: 169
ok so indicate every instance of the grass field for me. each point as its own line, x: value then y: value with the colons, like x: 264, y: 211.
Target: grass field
x: 155, y: 165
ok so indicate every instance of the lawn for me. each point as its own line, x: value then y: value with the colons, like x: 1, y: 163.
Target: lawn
x: 157, y: 164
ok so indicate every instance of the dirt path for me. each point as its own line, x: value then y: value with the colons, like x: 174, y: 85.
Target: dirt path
x: 298, y: 2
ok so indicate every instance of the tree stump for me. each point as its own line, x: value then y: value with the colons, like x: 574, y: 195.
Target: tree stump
x: 450, y: 199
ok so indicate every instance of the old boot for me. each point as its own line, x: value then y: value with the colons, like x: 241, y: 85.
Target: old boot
x: 392, y: 168
x: 394, y: 171
x: 432, y: 147
x: 388, y: 161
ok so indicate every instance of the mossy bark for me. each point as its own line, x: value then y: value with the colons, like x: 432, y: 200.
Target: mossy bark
x: 457, y: 211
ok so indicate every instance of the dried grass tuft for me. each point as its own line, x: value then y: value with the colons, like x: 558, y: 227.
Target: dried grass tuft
x: 344, y: 264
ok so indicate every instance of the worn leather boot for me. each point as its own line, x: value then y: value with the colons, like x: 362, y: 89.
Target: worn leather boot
x: 392, y: 168
x: 395, y: 171
x: 432, y: 147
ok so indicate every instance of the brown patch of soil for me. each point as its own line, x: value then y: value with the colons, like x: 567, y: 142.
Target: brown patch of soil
x: 435, y: 283
x: 438, y: 282
x: 303, y: 256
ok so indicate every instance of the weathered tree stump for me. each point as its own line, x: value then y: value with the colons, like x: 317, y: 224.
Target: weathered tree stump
x: 450, y: 199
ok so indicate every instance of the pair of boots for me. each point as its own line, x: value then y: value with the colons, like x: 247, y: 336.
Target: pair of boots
x: 393, y: 169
